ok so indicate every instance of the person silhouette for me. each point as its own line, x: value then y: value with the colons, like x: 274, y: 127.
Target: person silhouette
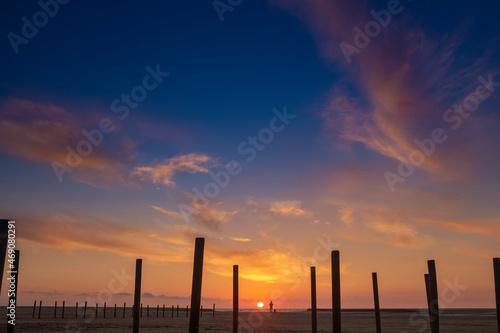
x: 271, y: 306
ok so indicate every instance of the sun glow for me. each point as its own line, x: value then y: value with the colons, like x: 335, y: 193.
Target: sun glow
x: 260, y: 304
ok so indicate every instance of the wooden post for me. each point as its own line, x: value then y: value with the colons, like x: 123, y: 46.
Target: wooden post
x: 314, y: 318
x: 4, y: 230
x: 213, y: 311
x: 187, y: 311
x: 376, y: 302
x: 177, y: 310
x: 235, y: 299
x: 40, y: 310
x: 157, y: 310
x: 13, y: 271
x: 104, y: 314
x: 96, y: 306
x: 76, y: 310
x: 336, y: 291
x: 64, y: 304
x: 114, y: 316
x: 55, y: 309
x: 428, y: 293
x: 496, y: 272
x: 147, y: 313
x: 34, y: 309
x: 194, y: 320
x: 172, y: 311
x: 163, y: 310
x: 85, y: 310
x: 124, y: 306
x: 433, y: 305
x: 137, y: 295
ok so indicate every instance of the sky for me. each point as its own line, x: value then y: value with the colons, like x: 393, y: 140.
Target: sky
x: 277, y: 130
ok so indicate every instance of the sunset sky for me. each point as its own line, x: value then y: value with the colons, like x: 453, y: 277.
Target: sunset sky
x: 278, y: 130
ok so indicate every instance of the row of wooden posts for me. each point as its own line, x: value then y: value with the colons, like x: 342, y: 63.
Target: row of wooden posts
x: 115, y: 310
x: 194, y: 319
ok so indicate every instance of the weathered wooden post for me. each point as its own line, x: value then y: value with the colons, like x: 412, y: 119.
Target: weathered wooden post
x: 55, y: 309
x: 177, y: 310
x: 124, y: 306
x: 40, y: 310
x: 137, y: 295
x: 4, y: 230
x: 314, y: 316
x: 34, y: 309
x: 235, y: 299
x: 76, y: 310
x: 336, y: 291
x: 433, y: 305
x: 104, y: 314
x: 428, y: 293
x: 157, y: 310
x: 496, y: 273
x: 147, y: 311
x: 164, y: 310
x: 187, y: 311
x: 172, y: 311
x: 213, y: 311
x: 114, y: 315
x: 85, y: 310
x: 64, y: 304
x: 96, y: 306
x: 194, y: 320
x: 13, y: 278
x: 376, y: 302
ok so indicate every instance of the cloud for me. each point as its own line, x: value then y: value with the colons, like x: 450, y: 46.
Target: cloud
x: 168, y: 212
x: 239, y: 239
x: 396, y: 90
x: 289, y: 208
x: 162, y: 173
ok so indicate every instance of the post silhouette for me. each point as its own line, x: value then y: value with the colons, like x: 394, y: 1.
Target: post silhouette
x: 147, y: 311
x: 376, y: 302
x: 114, y: 315
x: 34, y: 309
x: 104, y: 314
x: 76, y: 310
x: 177, y: 310
x: 163, y: 310
x: 124, y: 306
x: 194, y: 320
x: 55, y: 309
x: 235, y: 299
x: 13, y: 270
x: 96, y: 307
x: 496, y: 272
x: 187, y: 311
x: 428, y: 293
x: 137, y: 295
x: 64, y: 304
x: 40, y: 310
x: 314, y: 316
x: 172, y: 311
x: 4, y: 230
x: 84, y: 310
x: 433, y: 304
x: 213, y: 311
x: 336, y: 291
x: 157, y: 310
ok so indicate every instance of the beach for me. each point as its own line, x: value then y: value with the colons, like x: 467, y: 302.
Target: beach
x: 362, y: 321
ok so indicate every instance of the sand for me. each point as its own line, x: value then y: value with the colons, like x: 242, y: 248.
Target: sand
x: 296, y: 321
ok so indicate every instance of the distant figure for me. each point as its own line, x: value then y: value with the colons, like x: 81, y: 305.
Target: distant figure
x: 271, y: 306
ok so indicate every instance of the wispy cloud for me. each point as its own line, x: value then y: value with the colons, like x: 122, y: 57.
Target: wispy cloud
x: 162, y: 173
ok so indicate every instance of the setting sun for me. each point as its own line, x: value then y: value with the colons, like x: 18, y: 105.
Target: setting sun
x: 260, y: 304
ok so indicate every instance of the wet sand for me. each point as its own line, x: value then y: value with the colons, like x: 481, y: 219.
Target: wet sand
x: 402, y: 321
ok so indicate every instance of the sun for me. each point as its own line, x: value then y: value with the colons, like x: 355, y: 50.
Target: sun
x: 260, y: 304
